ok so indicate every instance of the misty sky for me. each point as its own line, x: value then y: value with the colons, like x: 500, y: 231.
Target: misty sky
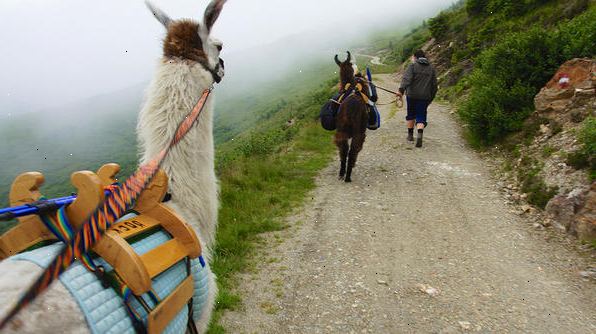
x: 56, y: 51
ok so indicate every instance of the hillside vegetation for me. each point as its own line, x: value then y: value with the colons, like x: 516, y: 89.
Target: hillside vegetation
x: 516, y: 48
x: 493, y: 57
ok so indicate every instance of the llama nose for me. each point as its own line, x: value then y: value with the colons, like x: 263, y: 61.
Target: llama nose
x: 221, y: 63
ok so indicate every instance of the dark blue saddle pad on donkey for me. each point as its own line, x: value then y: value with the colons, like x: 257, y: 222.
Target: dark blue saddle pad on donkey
x: 328, y: 113
x: 374, y: 117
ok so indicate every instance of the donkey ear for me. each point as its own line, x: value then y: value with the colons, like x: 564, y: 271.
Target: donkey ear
x: 349, y: 57
x: 212, y: 12
x: 337, y: 61
x: 159, y: 14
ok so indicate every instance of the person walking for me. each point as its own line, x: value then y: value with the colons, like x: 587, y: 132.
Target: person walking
x: 419, y: 83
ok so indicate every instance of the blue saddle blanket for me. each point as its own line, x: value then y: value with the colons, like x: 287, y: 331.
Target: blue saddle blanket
x: 104, y: 309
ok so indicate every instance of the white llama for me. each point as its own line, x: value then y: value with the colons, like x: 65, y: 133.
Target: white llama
x: 190, y: 64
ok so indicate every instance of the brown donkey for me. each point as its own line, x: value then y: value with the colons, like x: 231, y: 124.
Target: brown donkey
x: 352, y: 117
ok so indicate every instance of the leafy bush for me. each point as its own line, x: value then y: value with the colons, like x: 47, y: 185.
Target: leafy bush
x: 493, y: 109
x: 578, y: 159
x: 508, y: 75
x: 547, y: 151
x: 586, y: 156
x: 538, y: 192
x: 588, y: 136
x: 438, y: 25
x: 533, y: 184
x: 476, y: 7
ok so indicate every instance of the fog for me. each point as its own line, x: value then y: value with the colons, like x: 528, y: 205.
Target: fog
x: 54, y: 52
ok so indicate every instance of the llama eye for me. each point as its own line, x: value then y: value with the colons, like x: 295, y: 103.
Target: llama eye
x: 219, y: 47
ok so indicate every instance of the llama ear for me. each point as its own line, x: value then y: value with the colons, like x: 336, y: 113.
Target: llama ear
x: 349, y: 57
x: 159, y: 14
x: 212, y: 13
x: 337, y: 60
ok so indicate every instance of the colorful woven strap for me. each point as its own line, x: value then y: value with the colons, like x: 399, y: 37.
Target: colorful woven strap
x: 62, y: 229
x: 60, y: 226
x: 120, y: 200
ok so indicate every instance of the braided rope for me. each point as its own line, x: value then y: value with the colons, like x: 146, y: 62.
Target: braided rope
x: 120, y: 200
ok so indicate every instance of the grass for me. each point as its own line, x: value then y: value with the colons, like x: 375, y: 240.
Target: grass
x: 547, y: 151
x: 269, y: 308
x: 258, y: 189
x: 533, y: 184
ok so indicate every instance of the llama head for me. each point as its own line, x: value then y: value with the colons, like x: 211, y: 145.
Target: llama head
x: 346, y: 70
x: 191, y: 41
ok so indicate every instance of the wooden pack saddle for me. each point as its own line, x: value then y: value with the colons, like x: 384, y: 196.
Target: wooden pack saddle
x: 136, y: 271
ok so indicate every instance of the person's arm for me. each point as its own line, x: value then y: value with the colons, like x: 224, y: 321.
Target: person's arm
x: 407, y: 79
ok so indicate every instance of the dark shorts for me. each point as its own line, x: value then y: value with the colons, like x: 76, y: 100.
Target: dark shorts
x: 417, y: 110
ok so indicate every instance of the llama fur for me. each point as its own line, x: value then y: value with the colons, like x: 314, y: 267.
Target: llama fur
x: 174, y: 91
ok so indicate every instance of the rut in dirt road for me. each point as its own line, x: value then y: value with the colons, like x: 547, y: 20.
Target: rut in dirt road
x: 420, y: 242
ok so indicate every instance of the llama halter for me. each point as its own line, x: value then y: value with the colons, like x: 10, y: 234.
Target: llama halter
x: 120, y: 199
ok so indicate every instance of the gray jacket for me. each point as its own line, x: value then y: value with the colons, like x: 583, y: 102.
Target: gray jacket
x: 420, y: 81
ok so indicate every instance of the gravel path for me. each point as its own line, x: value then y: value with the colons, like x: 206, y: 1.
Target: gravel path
x: 420, y: 242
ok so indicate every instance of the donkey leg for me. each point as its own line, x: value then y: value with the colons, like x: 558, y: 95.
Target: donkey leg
x: 355, y: 148
x: 341, y: 141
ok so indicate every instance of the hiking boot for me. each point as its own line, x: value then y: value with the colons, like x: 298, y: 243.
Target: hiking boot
x: 419, y: 138
x: 410, y: 137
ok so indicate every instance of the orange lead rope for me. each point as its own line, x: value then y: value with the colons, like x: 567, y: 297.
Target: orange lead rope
x: 120, y: 200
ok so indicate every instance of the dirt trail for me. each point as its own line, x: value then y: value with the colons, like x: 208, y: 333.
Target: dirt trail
x: 375, y: 60
x: 420, y: 242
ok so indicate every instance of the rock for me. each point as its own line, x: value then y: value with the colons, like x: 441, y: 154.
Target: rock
x: 465, y: 325
x: 572, y: 84
x: 561, y: 209
x: 577, y: 116
x: 544, y: 129
x: 584, y: 93
x: 590, y: 273
x: 382, y: 282
x: 429, y: 290
x: 526, y: 208
x: 576, y: 211
x: 584, y: 224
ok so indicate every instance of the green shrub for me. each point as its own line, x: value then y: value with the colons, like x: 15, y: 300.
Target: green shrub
x: 438, y: 25
x: 577, y: 37
x: 532, y: 183
x: 547, y: 151
x: 508, y: 75
x: 588, y: 135
x: 586, y: 156
x: 508, y: 7
x: 538, y: 192
x: 578, y: 159
x: 493, y: 109
x: 476, y: 7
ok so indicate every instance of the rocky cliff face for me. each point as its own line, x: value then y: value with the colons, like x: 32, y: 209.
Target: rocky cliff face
x: 562, y: 107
